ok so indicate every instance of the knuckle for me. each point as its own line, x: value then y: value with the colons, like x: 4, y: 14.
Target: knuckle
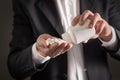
x: 77, y: 17
x: 88, y: 11
x: 97, y: 14
x: 103, y: 21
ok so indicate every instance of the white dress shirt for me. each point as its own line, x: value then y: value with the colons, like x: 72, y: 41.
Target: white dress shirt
x: 68, y: 9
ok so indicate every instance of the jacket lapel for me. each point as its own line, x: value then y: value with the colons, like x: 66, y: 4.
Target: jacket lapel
x: 87, y: 5
x: 49, y: 10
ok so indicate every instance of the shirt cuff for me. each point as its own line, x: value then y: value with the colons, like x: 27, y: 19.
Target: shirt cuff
x: 112, y: 44
x: 37, y: 58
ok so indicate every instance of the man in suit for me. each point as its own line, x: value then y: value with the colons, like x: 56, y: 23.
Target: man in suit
x: 37, y: 20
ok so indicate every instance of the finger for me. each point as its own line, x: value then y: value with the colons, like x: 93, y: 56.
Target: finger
x: 95, y: 36
x: 85, y: 41
x: 94, y: 20
x: 52, y: 48
x: 100, y: 27
x: 97, y: 26
x: 46, y: 36
x: 68, y: 47
x: 86, y: 15
x: 75, y: 20
x: 59, y: 50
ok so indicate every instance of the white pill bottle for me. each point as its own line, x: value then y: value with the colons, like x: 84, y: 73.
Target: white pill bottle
x: 77, y: 34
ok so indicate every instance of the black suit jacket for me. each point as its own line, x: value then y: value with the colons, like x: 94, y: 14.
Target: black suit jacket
x: 35, y: 17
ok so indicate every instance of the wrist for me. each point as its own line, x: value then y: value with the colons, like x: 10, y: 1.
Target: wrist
x: 106, y: 38
x: 37, y: 58
x: 106, y: 35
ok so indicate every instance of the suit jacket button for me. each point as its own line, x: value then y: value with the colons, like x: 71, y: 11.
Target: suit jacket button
x: 65, y: 76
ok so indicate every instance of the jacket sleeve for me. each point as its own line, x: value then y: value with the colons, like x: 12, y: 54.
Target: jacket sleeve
x: 114, y: 20
x: 20, y: 63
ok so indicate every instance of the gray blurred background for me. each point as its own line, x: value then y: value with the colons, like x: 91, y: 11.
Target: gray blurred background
x: 5, y: 37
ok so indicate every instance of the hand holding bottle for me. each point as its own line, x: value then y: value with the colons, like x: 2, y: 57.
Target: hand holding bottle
x: 102, y: 28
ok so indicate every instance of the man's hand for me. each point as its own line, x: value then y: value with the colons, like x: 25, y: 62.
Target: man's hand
x: 47, y: 49
x: 102, y: 28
